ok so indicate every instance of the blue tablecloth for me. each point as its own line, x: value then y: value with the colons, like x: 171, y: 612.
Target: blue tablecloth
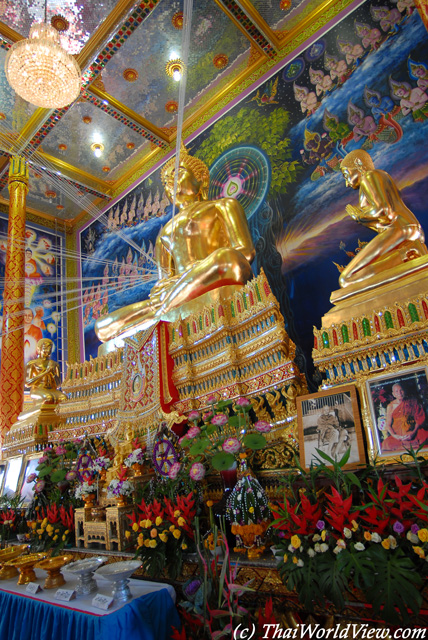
x: 149, y: 617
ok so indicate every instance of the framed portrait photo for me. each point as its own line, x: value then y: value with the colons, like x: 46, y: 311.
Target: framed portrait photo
x: 398, y: 404
x: 27, y: 489
x: 13, y: 472
x: 329, y: 422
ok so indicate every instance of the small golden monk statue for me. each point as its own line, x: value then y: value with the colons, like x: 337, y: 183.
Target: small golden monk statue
x: 400, y: 236
x: 43, y: 379
x: 206, y: 245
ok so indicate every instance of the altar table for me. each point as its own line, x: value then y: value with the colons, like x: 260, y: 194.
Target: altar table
x: 148, y: 616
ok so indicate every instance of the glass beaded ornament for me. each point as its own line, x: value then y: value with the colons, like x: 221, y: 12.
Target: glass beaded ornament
x: 39, y: 70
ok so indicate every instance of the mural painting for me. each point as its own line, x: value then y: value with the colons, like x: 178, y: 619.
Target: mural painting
x: 364, y: 84
x: 42, y: 312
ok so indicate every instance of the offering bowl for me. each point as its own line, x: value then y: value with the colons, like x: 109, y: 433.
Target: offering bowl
x: 9, y: 554
x: 53, y: 568
x: 118, y: 573
x: 26, y: 564
x: 84, y: 570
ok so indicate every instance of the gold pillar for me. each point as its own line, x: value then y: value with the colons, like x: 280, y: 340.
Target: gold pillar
x: 12, y: 352
x: 422, y: 7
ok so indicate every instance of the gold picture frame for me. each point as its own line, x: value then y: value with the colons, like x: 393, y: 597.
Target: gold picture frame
x: 330, y: 421
x: 397, y: 420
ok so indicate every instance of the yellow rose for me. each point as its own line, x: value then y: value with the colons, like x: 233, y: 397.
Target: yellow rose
x: 423, y: 535
x: 153, y: 533
x: 367, y: 535
x: 323, y: 534
x: 50, y: 533
x: 172, y: 528
x: 44, y: 522
x: 147, y: 542
x: 64, y: 538
x: 127, y: 534
x: 295, y: 560
x: 55, y: 538
x: 295, y: 542
x: 135, y: 528
x: 49, y: 528
x: 40, y: 531
x: 158, y: 521
x: 176, y: 533
x: 285, y: 558
x: 184, y: 546
x: 386, y: 543
x: 33, y: 525
x: 420, y: 552
x: 148, y: 524
x: 163, y: 537
x: 56, y: 530
x: 209, y: 503
x: 66, y: 532
x: 251, y: 509
x: 181, y: 521
x: 153, y: 544
x: 176, y: 513
x: 143, y: 524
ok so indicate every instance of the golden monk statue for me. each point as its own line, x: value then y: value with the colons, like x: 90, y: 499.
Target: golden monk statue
x: 43, y: 379
x: 206, y: 245
x: 400, y: 236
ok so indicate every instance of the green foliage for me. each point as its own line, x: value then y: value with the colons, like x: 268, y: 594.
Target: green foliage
x: 265, y: 129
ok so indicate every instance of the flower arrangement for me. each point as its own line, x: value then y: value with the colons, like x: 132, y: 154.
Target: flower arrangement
x: 85, y: 488
x: 363, y: 533
x: 52, y: 529
x: 102, y: 463
x: 137, y: 456
x: 221, y: 434
x: 53, y: 481
x: 161, y: 530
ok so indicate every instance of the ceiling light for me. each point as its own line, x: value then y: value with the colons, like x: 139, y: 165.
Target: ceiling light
x: 175, y: 68
x: 97, y: 148
x: 41, y: 71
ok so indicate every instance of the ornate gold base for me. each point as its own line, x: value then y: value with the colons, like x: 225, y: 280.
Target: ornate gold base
x: 54, y: 580
x: 26, y: 575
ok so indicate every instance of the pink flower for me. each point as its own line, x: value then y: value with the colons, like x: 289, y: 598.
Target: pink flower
x: 71, y: 476
x: 242, y: 402
x: 231, y: 445
x: 174, y: 470
x: 262, y: 426
x: 207, y: 416
x: 197, y: 471
x: 194, y: 415
x: 39, y: 486
x: 211, y: 399
x: 193, y: 432
x: 219, y: 420
x: 31, y: 477
x: 180, y: 441
x: 60, y: 451
x: 43, y: 459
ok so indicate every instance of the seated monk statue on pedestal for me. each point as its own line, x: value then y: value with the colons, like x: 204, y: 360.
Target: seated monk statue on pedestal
x: 43, y: 379
x: 206, y: 245
x: 400, y: 236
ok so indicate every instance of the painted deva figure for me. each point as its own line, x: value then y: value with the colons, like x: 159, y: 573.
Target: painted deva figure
x: 400, y: 237
x: 205, y: 246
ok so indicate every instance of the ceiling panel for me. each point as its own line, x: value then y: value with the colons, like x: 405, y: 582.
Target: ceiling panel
x: 83, y: 18
x: 72, y: 131
x: 150, y: 47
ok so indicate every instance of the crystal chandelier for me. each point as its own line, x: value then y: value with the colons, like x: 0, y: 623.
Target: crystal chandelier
x: 39, y: 70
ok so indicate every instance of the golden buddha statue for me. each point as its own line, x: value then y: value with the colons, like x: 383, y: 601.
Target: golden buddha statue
x: 206, y: 245
x: 43, y: 379
x: 400, y: 237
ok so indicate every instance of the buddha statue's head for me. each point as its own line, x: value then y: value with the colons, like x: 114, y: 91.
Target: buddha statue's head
x: 44, y: 347
x: 354, y: 165
x: 193, y: 177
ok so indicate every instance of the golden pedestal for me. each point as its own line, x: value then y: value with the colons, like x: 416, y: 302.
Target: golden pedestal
x: 109, y: 534
x: 25, y: 435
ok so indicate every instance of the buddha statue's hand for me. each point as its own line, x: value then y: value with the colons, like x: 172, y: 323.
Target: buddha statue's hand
x: 352, y: 211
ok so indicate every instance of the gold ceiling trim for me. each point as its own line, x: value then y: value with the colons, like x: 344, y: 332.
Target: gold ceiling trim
x: 259, y: 21
x: 40, y: 214
x: 129, y: 113
x: 33, y: 124
x: 283, y: 38
x: 9, y: 33
x: 240, y: 27
x: 111, y: 23
x: 73, y: 173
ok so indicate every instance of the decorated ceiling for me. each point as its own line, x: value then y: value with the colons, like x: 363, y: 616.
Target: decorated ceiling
x: 128, y: 102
